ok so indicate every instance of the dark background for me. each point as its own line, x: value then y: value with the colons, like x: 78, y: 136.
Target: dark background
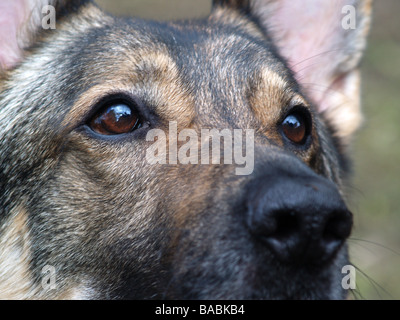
x: 375, y: 201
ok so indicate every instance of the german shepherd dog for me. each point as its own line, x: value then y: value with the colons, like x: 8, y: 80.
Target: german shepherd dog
x: 85, y: 215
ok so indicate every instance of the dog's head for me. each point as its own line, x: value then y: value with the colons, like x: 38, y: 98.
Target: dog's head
x: 104, y: 176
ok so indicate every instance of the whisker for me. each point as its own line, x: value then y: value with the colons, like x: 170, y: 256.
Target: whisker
x: 361, y: 245
x: 357, y: 294
x: 315, y: 56
x: 377, y: 287
x: 377, y: 244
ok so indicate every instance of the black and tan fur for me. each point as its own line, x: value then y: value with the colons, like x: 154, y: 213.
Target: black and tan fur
x: 115, y: 227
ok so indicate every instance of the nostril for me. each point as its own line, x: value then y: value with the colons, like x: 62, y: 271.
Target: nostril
x: 281, y: 230
x: 337, y: 229
x: 287, y: 224
x: 338, y: 226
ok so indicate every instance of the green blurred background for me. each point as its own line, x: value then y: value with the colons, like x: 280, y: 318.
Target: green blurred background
x: 375, y: 201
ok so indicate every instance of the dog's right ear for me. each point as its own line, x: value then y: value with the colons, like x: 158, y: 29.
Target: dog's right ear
x: 21, y: 21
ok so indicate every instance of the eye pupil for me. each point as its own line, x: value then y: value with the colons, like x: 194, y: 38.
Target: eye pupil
x: 294, y: 128
x: 115, y: 119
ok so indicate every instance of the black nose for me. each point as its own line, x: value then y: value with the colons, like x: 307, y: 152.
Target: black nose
x: 300, y: 219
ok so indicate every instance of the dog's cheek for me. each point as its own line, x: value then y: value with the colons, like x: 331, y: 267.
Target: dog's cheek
x: 98, y: 221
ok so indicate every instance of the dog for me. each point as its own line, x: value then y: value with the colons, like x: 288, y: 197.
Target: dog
x: 84, y: 213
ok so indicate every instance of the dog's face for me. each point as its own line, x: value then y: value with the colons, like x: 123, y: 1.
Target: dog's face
x: 79, y: 193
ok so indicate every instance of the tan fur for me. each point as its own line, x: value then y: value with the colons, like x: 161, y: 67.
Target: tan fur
x: 270, y: 93
x: 15, y: 280
x: 173, y: 101
x: 345, y: 114
x: 229, y: 16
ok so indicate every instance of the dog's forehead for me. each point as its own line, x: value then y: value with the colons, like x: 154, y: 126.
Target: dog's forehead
x: 187, y: 68
x: 230, y: 68
x: 207, y: 47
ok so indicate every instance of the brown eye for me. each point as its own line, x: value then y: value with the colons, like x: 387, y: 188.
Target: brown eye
x: 116, y: 119
x: 295, y: 127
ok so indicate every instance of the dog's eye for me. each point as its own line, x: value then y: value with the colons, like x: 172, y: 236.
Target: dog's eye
x: 294, y: 127
x: 117, y: 118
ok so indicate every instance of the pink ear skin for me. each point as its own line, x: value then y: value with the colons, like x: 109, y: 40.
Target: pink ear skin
x: 13, y: 14
x: 315, y: 44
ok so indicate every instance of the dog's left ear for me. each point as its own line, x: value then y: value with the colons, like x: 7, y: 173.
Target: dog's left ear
x: 322, y: 42
x: 21, y: 21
